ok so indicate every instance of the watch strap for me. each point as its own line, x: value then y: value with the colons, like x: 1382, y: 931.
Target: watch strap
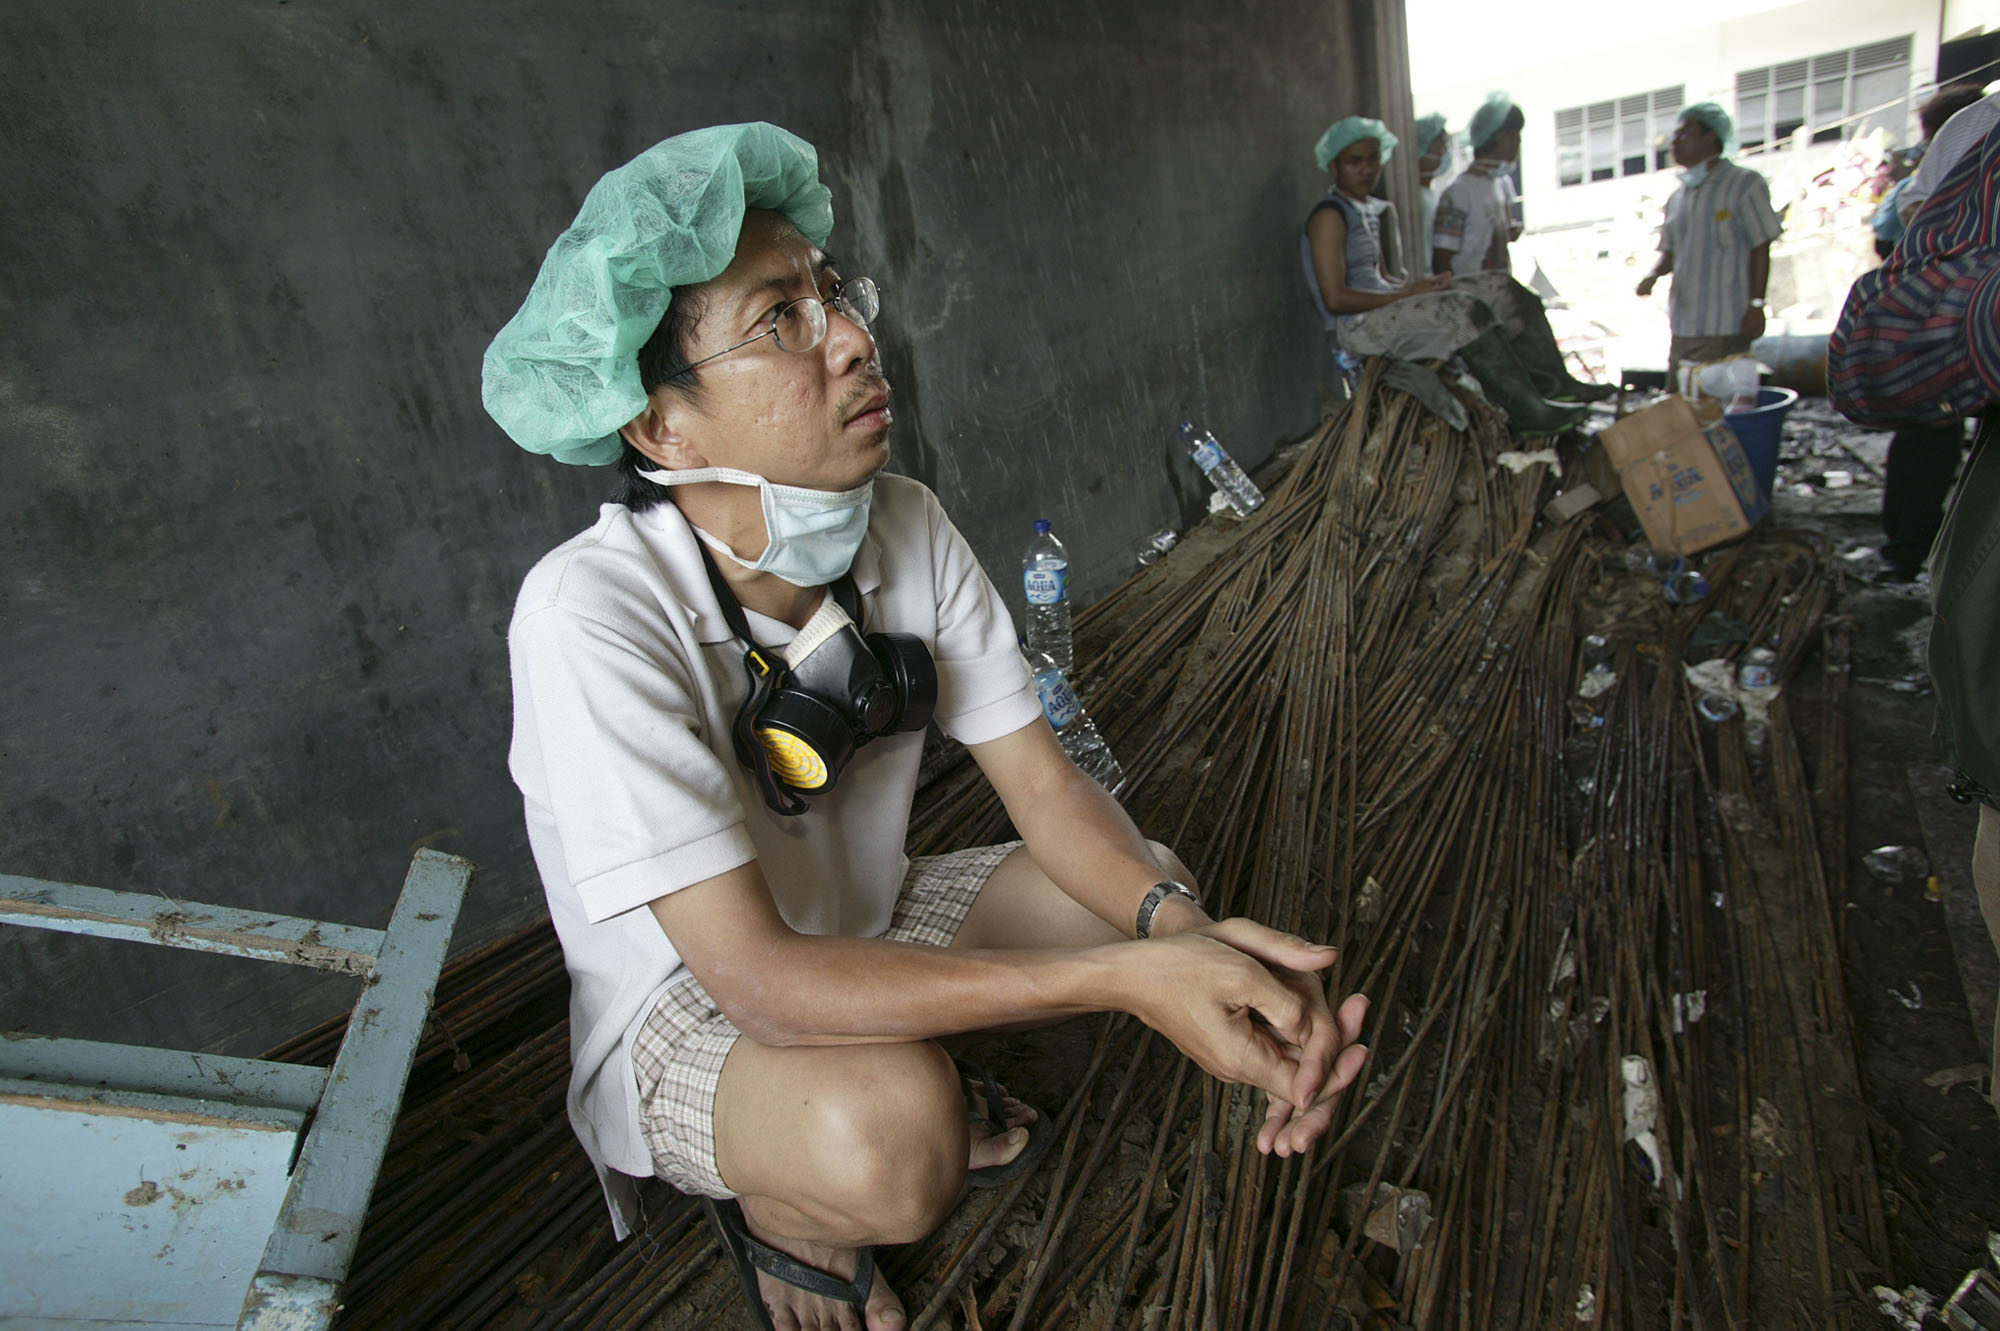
x: 1151, y: 905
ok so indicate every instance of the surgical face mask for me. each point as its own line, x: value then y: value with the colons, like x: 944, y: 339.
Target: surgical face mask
x: 1694, y: 175
x: 812, y: 534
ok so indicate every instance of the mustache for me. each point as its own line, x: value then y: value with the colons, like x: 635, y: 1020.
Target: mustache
x: 872, y: 383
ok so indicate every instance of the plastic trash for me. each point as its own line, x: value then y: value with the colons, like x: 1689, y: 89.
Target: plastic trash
x: 1717, y: 707
x: 1682, y: 583
x: 1906, y: 1308
x: 1229, y: 480
x: 1075, y: 730
x: 1758, y: 669
x: 1897, y: 864
x: 1654, y: 563
x: 1914, y: 1000
x: 1685, y: 587
x: 1837, y: 480
x: 1641, y: 1104
x: 1156, y: 545
x: 1045, y: 582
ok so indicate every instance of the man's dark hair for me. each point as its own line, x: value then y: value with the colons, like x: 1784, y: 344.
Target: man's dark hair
x: 1514, y: 120
x: 663, y: 362
x: 1947, y: 102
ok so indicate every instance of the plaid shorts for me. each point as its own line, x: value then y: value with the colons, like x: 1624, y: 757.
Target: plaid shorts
x: 678, y: 1053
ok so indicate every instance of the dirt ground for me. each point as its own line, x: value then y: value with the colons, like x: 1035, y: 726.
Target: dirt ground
x: 1919, y: 965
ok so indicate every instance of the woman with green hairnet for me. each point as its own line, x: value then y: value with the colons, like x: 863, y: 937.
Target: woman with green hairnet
x: 1348, y: 248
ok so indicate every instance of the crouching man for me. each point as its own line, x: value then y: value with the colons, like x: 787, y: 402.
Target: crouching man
x: 720, y: 692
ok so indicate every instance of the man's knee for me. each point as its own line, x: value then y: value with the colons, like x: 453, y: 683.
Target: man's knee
x: 894, y: 1142
x: 1164, y: 856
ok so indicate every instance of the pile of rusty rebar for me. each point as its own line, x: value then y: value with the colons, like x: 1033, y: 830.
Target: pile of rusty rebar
x: 1613, y: 1080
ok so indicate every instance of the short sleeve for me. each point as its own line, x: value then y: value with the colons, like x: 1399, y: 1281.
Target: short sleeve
x: 1448, y: 230
x: 1759, y: 221
x: 608, y: 741
x: 983, y: 687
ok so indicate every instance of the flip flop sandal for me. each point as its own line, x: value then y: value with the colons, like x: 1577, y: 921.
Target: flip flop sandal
x: 994, y: 1120
x: 749, y: 1256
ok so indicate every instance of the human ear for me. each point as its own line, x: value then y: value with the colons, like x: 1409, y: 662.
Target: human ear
x: 659, y: 432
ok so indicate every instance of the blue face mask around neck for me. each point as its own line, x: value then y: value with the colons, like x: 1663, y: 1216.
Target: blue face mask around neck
x: 811, y: 535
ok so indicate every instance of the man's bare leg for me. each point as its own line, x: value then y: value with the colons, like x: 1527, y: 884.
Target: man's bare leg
x: 831, y: 1149
x: 1021, y: 907
x: 834, y: 1148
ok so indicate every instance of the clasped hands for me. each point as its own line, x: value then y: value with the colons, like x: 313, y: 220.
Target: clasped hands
x: 1248, y: 1005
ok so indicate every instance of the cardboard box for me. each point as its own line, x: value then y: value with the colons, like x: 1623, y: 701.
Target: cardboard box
x: 1690, y: 486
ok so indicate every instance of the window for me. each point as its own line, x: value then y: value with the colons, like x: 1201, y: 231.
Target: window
x: 1833, y: 96
x: 1626, y: 137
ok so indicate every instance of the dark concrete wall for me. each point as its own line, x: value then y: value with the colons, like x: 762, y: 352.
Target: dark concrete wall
x: 260, y: 540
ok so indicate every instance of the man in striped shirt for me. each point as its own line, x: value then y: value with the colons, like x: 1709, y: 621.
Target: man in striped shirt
x: 1716, y: 241
x: 1918, y: 343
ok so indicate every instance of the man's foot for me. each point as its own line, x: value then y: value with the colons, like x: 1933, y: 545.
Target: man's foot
x: 991, y: 1150
x: 793, y: 1309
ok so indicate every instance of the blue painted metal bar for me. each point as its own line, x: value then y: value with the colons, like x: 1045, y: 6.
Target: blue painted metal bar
x: 142, y: 1104
x: 96, y: 1066
x: 307, y: 1258
x: 102, y: 913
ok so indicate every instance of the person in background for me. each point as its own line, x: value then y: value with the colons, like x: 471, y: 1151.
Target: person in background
x: 1493, y: 322
x: 1885, y: 221
x: 1918, y: 342
x: 1716, y: 241
x: 1923, y: 459
x: 1957, y: 133
x: 1433, y: 146
x: 1474, y: 223
x: 1893, y: 214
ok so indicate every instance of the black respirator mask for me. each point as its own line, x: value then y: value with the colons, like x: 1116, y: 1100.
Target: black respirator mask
x: 832, y: 690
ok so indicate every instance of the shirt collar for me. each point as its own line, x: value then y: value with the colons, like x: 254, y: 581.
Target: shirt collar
x: 673, y: 540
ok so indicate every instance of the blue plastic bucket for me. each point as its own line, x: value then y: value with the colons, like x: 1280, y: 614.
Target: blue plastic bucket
x: 1758, y: 430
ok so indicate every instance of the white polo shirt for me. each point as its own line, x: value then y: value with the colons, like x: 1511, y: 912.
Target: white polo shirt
x: 626, y: 685
x: 1472, y: 222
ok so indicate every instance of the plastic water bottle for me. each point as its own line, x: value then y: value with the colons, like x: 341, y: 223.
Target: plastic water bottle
x: 1221, y: 470
x: 1758, y: 669
x: 1073, y: 726
x: 1045, y: 580
x: 1686, y: 587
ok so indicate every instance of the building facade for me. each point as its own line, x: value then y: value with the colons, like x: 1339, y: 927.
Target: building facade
x: 1598, y: 124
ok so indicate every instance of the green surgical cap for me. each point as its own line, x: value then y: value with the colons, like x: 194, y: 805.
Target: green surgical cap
x: 1353, y: 129
x: 1710, y: 116
x: 563, y: 375
x: 1428, y: 128
x: 1486, y: 121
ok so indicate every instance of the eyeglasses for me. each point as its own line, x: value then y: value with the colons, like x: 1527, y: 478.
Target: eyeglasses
x: 800, y: 325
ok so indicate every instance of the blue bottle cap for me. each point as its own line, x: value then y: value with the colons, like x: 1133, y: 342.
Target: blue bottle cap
x: 1041, y: 525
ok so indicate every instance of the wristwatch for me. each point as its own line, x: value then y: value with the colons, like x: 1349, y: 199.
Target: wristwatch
x: 1757, y: 303
x: 1161, y: 891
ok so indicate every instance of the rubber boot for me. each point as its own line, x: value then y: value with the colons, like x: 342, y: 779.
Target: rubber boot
x: 1535, y: 343
x: 1509, y: 386
x: 1549, y: 372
